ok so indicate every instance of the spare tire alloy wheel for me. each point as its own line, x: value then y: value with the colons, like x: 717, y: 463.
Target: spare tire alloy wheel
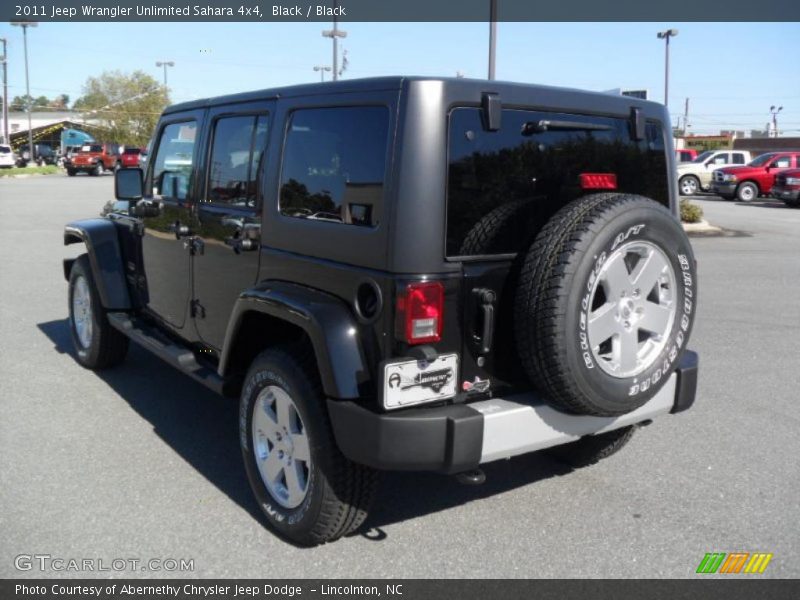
x: 605, y: 303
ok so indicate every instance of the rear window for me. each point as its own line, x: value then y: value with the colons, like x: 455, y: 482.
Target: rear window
x: 334, y: 164
x: 5, y: 150
x: 512, y: 177
x: 132, y: 151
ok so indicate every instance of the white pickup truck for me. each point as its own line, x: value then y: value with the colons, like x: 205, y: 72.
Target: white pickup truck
x: 695, y: 176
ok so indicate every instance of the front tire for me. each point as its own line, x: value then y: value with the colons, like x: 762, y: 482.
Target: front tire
x: 97, y: 344
x: 605, y: 303
x: 308, y: 491
x: 99, y: 169
x: 747, y: 192
x: 71, y: 172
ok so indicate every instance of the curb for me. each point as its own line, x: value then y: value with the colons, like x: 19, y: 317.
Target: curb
x: 701, y: 226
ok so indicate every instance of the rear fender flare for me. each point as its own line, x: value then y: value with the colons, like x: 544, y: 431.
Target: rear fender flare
x: 327, y: 321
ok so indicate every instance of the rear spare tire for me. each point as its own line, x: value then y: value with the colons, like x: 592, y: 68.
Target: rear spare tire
x: 605, y: 303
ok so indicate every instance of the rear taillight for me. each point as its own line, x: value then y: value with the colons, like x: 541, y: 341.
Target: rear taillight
x: 598, y: 181
x: 420, y: 312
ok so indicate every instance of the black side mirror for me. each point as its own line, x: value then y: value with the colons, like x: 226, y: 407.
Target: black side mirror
x: 129, y: 184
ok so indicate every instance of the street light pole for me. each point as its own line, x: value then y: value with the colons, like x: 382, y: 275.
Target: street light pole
x: 5, y: 90
x: 774, y: 112
x: 492, y: 37
x: 25, y: 25
x: 334, y: 34
x: 321, y: 70
x: 665, y: 35
x: 165, y: 64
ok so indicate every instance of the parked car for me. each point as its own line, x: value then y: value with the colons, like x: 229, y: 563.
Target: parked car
x: 755, y: 179
x: 787, y: 187
x: 131, y: 157
x: 94, y: 159
x: 44, y: 155
x: 400, y: 274
x: 695, y: 176
x: 685, y: 155
x: 69, y: 152
x: 7, y: 157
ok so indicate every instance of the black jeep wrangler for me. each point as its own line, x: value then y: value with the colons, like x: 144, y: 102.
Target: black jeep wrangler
x: 400, y: 273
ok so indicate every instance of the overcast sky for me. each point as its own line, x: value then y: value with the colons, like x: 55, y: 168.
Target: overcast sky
x: 731, y: 72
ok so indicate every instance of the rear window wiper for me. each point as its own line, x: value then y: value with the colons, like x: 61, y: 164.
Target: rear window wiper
x: 534, y: 127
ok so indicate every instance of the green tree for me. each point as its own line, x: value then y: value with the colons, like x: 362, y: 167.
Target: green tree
x: 19, y: 103
x: 126, y: 105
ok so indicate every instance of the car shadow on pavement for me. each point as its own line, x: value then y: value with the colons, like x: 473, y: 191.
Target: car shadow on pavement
x: 201, y: 427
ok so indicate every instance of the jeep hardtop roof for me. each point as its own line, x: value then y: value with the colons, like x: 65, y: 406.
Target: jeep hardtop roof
x: 606, y: 103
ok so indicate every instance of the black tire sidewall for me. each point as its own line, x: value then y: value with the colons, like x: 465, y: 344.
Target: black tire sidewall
x: 273, y: 368
x: 615, y: 395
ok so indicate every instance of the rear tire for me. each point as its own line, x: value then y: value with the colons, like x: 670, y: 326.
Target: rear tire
x: 97, y: 344
x: 309, y: 492
x: 747, y: 192
x: 689, y: 185
x: 605, y: 303
x: 592, y: 449
x: 792, y: 203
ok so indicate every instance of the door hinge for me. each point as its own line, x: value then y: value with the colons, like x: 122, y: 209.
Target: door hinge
x: 196, y: 310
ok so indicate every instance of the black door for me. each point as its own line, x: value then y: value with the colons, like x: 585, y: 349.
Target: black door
x: 166, y: 213
x: 227, y: 224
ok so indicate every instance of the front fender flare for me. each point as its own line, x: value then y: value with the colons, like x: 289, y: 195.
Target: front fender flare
x: 328, y: 322
x: 105, y: 257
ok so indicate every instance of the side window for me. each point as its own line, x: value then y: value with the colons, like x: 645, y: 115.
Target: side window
x: 172, y: 166
x: 721, y: 159
x: 334, y: 164
x: 784, y: 162
x: 235, y: 155
x: 738, y: 158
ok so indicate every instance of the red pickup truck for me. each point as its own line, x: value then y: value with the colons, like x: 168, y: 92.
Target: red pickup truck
x: 748, y: 182
x: 95, y: 159
x: 787, y: 187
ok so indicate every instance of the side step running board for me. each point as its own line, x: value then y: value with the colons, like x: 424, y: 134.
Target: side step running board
x: 180, y: 357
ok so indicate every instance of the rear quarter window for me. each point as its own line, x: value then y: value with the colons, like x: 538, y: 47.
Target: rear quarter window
x: 334, y: 164
x: 518, y: 176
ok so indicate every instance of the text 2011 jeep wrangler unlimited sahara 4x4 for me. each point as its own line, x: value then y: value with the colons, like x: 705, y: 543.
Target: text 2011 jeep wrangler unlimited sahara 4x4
x: 400, y: 273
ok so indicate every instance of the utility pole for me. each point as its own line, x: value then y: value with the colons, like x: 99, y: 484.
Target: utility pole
x: 492, y: 37
x: 25, y: 25
x: 335, y: 34
x: 165, y: 64
x: 686, y: 117
x: 665, y: 35
x: 4, y: 58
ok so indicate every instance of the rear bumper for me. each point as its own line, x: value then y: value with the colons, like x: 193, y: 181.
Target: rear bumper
x: 460, y: 437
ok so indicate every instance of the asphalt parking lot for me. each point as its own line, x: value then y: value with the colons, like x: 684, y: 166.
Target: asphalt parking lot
x: 140, y: 462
